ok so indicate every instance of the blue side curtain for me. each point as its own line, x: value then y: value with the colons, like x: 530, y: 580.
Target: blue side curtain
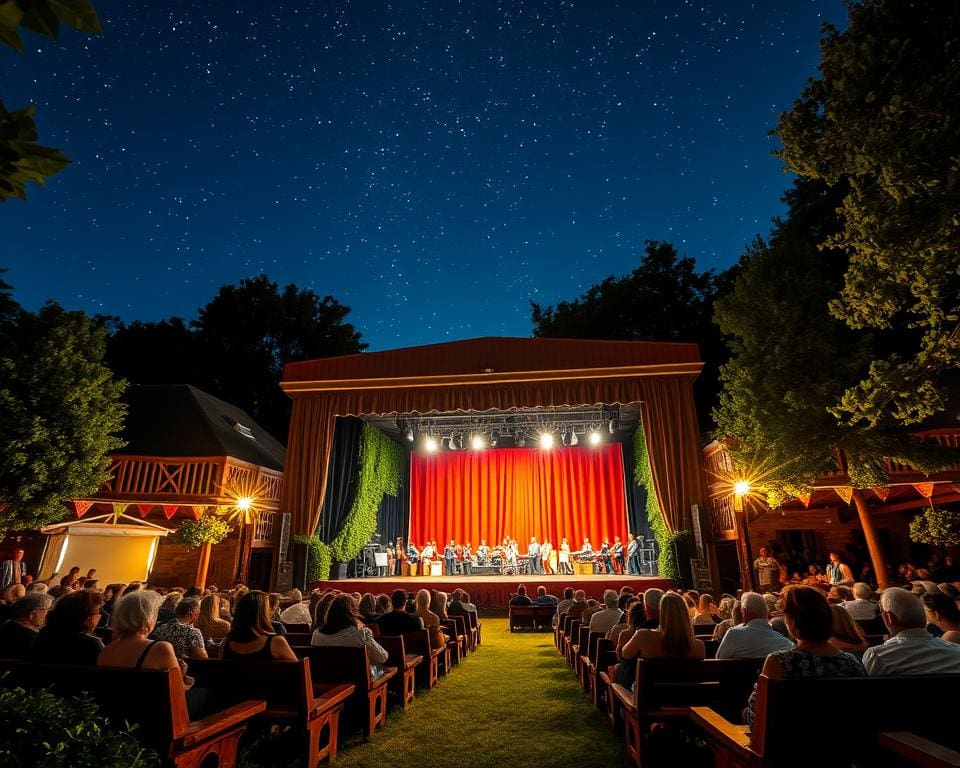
x: 393, y: 517
x: 342, y: 476
x: 636, y: 494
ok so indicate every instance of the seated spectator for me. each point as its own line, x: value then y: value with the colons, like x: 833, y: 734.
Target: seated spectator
x: 430, y: 620
x: 846, y: 634
x: 67, y: 637
x: 18, y: 636
x: 651, y: 608
x: 467, y: 604
x: 8, y: 598
x: 624, y: 604
x: 168, y: 607
x: 635, y: 618
x: 457, y: 606
x: 521, y: 597
x: 251, y: 634
x: 368, y: 608
x: 182, y: 633
x: 273, y: 607
x: 674, y: 639
x: 736, y: 617
x: 567, y: 601
x: 320, y: 612
x: 706, y: 612
x: 755, y: 638
x: 398, y: 621
x: 579, y: 604
x: 545, y: 599
x: 210, y: 624
x: 384, y: 605
x: 343, y: 627
x: 911, y: 650
x: 602, y: 620
x: 862, y: 607
x: 943, y: 613
x: 809, y: 619
x: 438, y: 604
x: 296, y: 612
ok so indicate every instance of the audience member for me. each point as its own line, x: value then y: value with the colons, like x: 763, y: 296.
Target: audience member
x: 296, y: 612
x: 604, y: 619
x: 67, y: 637
x: 168, y: 607
x: 8, y: 598
x: 430, y: 620
x: 706, y: 612
x: 755, y: 638
x: 564, y: 605
x: 210, y: 624
x: 343, y: 627
x: 651, y: 608
x: 862, y: 606
x: 251, y: 634
x: 736, y: 617
x: 846, y: 634
x: 320, y: 612
x: 545, y: 599
x: 368, y: 608
x: 18, y: 636
x: 521, y: 597
x: 398, y: 621
x: 674, y: 638
x: 911, y: 650
x: 943, y: 613
x: 182, y: 633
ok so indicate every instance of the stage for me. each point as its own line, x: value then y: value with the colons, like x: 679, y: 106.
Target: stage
x: 494, y: 592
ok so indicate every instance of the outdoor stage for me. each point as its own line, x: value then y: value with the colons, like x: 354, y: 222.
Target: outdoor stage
x: 494, y: 592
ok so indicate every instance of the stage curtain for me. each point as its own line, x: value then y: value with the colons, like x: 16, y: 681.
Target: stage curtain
x: 342, y: 476
x: 669, y: 416
x: 518, y: 492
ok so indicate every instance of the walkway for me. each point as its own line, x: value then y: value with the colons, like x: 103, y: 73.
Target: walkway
x: 512, y: 703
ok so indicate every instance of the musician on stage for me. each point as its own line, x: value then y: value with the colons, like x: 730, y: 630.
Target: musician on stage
x: 563, y: 561
x: 398, y: 558
x: 466, y: 559
x: 512, y: 553
x: 391, y: 554
x: 413, y: 555
x: 450, y: 558
x: 633, y: 555
x: 606, y: 564
x: 617, y: 555
x: 426, y: 557
x: 534, y: 566
x: 546, y: 549
x: 483, y: 552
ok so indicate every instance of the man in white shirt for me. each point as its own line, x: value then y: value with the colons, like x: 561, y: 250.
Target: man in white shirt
x: 861, y: 608
x: 912, y: 650
x: 298, y: 612
x: 601, y: 621
x: 755, y: 638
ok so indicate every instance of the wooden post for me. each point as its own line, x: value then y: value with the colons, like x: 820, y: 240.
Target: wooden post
x: 873, y: 541
x: 741, y: 520
x: 203, y: 564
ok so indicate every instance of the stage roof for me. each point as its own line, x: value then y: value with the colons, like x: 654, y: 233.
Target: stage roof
x: 492, y: 355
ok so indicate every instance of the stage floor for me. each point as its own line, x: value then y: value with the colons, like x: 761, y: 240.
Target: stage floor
x: 494, y: 592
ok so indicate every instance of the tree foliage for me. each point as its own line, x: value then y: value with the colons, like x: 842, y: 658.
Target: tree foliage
x: 22, y: 159
x: 237, y: 346
x: 882, y: 120
x: 209, y: 529
x: 60, y: 411
x: 664, y: 299
x: 936, y: 525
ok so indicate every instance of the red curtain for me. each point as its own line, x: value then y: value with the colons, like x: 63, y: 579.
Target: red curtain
x: 518, y: 492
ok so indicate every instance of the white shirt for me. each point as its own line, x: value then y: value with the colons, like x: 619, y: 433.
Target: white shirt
x: 298, y: 613
x: 860, y: 608
x: 601, y: 621
x: 753, y: 640
x: 355, y: 637
x: 913, y: 652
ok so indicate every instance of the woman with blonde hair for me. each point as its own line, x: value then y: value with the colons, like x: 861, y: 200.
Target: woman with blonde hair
x: 706, y: 611
x: 674, y: 639
x: 431, y: 622
x: 438, y: 604
x: 846, y: 634
x: 210, y: 624
x: 168, y: 607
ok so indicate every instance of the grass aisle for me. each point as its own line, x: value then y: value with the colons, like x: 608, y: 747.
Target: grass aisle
x: 513, y: 702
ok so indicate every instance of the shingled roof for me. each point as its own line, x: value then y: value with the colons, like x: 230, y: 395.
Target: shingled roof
x: 181, y: 420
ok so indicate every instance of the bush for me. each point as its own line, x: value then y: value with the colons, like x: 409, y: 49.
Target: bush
x: 318, y: 564
x: 209, y: 529
x: 41, y: 730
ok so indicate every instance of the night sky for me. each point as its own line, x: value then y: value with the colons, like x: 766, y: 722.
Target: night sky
x: 433, y: 165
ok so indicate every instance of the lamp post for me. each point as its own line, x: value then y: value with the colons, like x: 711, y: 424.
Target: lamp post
x: 741, y: 488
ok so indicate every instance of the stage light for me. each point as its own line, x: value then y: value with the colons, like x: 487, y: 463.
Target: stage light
x: 546, y: 441
x: 594, y: 438
x: 451, y: 443
x: 430, y: 444
x: 244, y: 503
x: 478, y: 443
x: 409, y: 434
x: 573, y: 438
x: 612, y: 426
x: 741, y: 488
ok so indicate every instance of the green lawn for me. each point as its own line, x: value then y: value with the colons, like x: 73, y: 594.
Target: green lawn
x: 512, y: 703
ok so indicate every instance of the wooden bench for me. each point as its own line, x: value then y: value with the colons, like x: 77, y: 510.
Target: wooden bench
x: 871, y: 705
x: 604, y: 655
x: 419, y: 643
x: 154, y: 699
x: 664, y: 690
x: 587, y: 656
x: 292, y: 698
x: 570, y: 640
x: 404, y: 682
x: 532, y: 616
x: 919, y: 751
x: 457, y: 642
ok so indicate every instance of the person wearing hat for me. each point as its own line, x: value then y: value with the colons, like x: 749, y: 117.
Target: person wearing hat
x: 296, y: 612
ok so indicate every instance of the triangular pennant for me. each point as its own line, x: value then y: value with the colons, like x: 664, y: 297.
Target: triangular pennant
x: 118, y: 509
x: 81, y: 507
x: 845, y: 492
x: 882, y: 492
x: 169, y: 510
x: 198, y: 510
x: 144, y: 509
x: 924, y: 489
x: 805, y: 500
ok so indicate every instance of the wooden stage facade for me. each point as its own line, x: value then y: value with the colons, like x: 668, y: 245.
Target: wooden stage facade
x: 494, y: 592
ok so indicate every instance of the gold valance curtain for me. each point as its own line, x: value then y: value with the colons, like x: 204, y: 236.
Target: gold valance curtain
x: 669, y: 419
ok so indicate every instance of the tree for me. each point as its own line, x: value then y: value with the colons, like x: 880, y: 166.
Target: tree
x: 60, y: 411
x: 881, y: 120
x: 22, y: 160
x: 664, y: 299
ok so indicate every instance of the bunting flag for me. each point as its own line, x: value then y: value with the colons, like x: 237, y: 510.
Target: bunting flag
x: 805, y: 500
x: 169, y: 510
x: 144, y: 509
x: 198, y: 510
x: 882, y: 492
x: 118, y: 509
x: 924, y: 489
x: 845, y: 492
x: 81, y: 507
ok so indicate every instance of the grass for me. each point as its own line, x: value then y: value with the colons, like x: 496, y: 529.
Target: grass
x: 513, y: 702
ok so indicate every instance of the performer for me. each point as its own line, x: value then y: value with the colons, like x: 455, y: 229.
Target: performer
x: 450, y: 558
x: 426, y: 558
x: 413, y: 558
x: 398, y: 558
x: 13, y: 570
x: 633, y: 555
x: 533, y: 557
x: 563, y: 561
x: 546, y: 550
x: 512, y: 553
x: 466, y: 560
x: 606, y: 561
x: 391, y: 554
x: 839, y: 572
x: 767, y: 569
x: 483, y: 552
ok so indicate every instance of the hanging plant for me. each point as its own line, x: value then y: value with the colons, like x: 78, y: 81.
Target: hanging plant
x: 379, y: 476
x: 209, y: 529
x: 937, y: 526
x: 319, y: 560
x: 667, y: 566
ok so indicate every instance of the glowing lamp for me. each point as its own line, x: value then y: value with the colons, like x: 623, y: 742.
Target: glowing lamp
x: 478, y: 443
x: 595, y: 438
x: 546, y: 441
x: 741, y: 488
x: 430, y: 444
x: 244, y: 503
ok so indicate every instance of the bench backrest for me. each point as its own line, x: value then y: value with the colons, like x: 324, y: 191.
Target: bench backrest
x: 338, y: 664
x: 418, y: 642
x: 524, y: 611
x: 282, y: 684
x: 723, y: 684
x: 154, y: 699
x: 865, y: 707
x: 396, y: 650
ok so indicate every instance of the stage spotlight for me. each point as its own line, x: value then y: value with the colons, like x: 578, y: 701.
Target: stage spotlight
x: 573, y: 438
x: 478, y: 443
x: 521, y: 441
x: 452, y: 443
x: 431, y: 445
x: 595, y: 438
x: 409, y: 434
x: 546, y: 441
x: 741, y: 487
x: 612, y: 426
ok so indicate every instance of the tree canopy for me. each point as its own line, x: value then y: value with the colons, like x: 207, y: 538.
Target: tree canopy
x: 22, y: 159
x: 882, y: 120
x: 60, y: 412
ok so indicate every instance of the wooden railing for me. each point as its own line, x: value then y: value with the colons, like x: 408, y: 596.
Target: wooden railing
x: 263, y: 528
x: 141, y: 476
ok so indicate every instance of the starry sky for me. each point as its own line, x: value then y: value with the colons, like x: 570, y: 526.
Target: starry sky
x: 435, y: 165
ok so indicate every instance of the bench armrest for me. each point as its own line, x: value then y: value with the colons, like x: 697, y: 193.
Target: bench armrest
x: 214, y: 725
x: 919, y: 750
x: 727, y: 735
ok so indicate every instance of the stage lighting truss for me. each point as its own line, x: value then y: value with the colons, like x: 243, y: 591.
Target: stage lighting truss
x: 543, y: 427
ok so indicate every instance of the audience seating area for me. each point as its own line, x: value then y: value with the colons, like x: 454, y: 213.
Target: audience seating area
x: 531, y: 616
